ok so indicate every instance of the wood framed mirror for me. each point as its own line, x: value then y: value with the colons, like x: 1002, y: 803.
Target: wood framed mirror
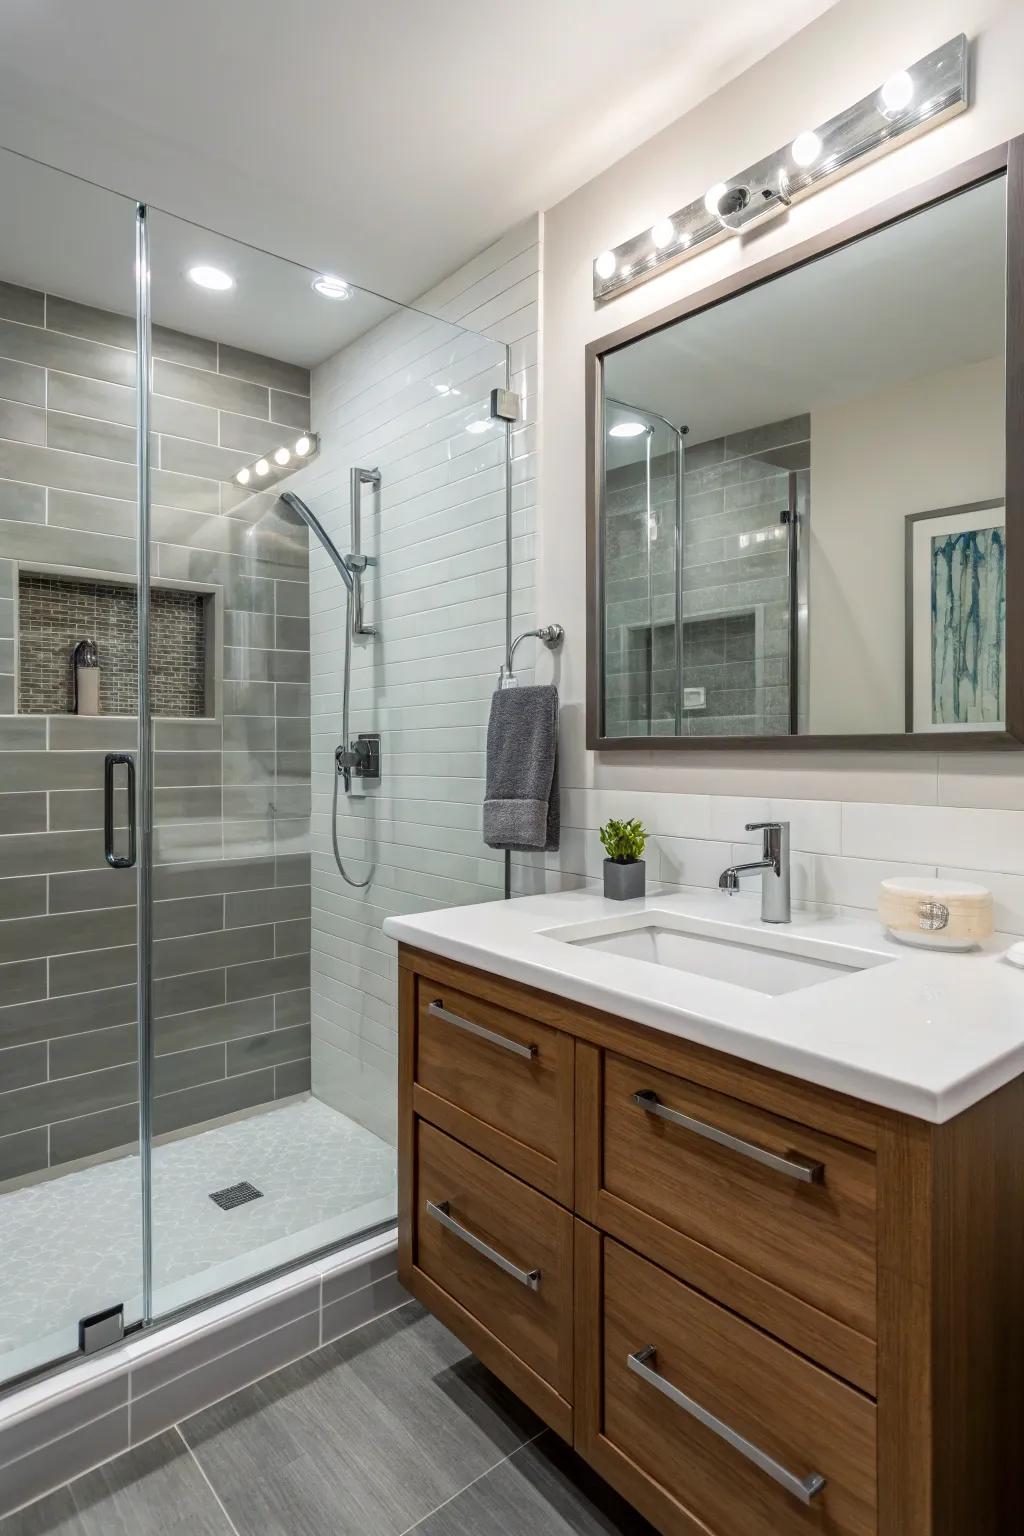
x: 805, y: 491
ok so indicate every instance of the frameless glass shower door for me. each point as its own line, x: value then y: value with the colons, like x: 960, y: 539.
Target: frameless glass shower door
x: 308, y: 542
x: 71, y: 1237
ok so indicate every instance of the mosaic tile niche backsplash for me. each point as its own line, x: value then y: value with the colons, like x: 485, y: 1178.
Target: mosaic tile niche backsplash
x: 55, y: 612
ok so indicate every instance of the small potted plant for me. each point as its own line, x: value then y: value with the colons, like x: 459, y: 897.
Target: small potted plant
x: 624, y: 868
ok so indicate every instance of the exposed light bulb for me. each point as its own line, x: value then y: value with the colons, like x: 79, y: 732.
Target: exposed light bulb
x: 897, y: 92
x: 806, y: 148
x: 627, y: 429
x: 261, y: 467
x: 604, y: 266
x: 211, y: 277
x: 243, y: 476
x: 713, y: 196
x: 281, y: 455
x: 303, y: 446
x: 332, y: 287
x: 663, y: 232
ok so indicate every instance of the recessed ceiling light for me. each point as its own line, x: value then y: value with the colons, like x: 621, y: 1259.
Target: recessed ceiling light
x: 261, y: 467
x: 303, y: 446
x: 281, y: 455
x: 332, y: 287
x: 627, y: 429
x: 806, y: 148
x: 478, y: 426
x: 663, y: 232
x: 211, y: 277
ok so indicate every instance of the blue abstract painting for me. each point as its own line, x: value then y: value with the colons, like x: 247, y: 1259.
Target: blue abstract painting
x: 968, y: 624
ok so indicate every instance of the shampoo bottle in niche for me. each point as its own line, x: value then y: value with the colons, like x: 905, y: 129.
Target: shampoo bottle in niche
x: 85, y: 676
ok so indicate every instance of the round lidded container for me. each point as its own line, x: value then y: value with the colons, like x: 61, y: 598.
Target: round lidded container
x: 934, y: 913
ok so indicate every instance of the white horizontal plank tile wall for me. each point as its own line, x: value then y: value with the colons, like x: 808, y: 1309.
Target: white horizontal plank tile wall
x: 411, y: 397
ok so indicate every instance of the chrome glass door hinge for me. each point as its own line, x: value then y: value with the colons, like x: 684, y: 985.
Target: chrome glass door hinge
x: 506, y: 405
x: 101, y: 1329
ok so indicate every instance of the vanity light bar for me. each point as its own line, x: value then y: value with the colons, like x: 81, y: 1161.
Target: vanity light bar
x: 263, y: 473
x: 907, y: 104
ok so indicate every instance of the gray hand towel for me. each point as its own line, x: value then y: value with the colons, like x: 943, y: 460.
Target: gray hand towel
x: 521, y: 805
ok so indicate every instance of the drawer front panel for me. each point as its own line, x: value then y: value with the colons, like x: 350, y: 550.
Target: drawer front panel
x: 786, y: 1202
x: 745, y: 1434
x: 500, y: 1249
x: 506, y: 1070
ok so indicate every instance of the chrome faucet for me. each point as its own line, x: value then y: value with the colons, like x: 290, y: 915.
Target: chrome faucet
x: 774, y: 868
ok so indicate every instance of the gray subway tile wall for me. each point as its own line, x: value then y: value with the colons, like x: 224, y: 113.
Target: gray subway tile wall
x: 232, y: 800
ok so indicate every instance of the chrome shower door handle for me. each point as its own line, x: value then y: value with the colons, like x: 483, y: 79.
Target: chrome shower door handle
x: 803, y: 1488
x: 112, y: 761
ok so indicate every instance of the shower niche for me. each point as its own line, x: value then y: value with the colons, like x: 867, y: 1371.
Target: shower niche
x: 57, y: 610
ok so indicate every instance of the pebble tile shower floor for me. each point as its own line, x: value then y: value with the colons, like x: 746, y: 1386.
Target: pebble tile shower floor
x: 70, y: 1246
x: 392, y: 1429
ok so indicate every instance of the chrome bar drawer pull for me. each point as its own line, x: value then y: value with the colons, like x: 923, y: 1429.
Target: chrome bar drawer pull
x: 442, y: 1212
x: 506, y: 1044
x: 795, y: 1167
x: 803, y: 1488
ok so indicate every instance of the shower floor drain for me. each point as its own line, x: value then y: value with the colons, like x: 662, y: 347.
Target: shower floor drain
x: 236, y: 1194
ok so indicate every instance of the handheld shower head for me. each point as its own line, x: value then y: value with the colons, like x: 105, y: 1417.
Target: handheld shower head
x: 298, y: 506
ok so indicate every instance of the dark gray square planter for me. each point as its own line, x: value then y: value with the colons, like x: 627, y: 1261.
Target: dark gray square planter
x: 623, y: 882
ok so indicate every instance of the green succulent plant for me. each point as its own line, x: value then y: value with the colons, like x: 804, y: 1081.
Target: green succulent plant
x: 623, y: 841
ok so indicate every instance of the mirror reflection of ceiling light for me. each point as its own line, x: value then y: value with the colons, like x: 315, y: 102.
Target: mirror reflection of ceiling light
x: 921, y: 96
x: 627, y: 429
x: 806, y: 149
x: 478, y: 426
x: 271, y: 467
x: 332, y: 287
x: 213, y: 278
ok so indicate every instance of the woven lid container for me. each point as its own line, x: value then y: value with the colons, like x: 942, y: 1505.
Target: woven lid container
x: 935, y: 913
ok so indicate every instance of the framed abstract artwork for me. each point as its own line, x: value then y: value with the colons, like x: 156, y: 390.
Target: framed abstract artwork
x: 956, y: 618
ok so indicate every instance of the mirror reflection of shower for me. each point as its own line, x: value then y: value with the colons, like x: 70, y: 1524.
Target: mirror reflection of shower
x: 359, y: 757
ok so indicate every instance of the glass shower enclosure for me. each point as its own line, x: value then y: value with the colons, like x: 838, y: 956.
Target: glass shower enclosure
x: 197, y: 1004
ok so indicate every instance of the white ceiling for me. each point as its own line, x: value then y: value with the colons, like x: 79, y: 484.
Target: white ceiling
x: 926, y: 295
x: 387, y: 141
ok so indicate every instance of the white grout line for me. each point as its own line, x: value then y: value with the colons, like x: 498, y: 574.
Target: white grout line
x: 206, y: 1480
x: 417, y: 1523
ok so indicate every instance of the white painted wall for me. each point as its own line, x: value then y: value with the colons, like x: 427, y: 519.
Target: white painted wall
x: 437, y: 597
x: 856, y: 815
x: 933, y: 443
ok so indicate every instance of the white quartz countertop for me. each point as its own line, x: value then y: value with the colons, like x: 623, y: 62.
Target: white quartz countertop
x: 928, y: 1034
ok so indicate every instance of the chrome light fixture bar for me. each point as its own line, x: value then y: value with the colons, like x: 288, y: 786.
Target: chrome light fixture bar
x: 296, y: 448
x: 906, y: 105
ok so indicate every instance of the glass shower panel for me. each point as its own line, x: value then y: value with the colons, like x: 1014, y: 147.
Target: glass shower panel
x: 641, y: 572
x: 328, y: 495
x: 70, y: 1209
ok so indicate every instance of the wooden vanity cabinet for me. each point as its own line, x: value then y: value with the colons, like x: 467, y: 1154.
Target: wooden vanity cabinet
x: 755, y: 1306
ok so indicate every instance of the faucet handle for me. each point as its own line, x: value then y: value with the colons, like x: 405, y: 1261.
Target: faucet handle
x: 766, y: 826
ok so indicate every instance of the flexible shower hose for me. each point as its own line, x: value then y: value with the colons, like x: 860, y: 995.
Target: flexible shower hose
x: 345, y: 692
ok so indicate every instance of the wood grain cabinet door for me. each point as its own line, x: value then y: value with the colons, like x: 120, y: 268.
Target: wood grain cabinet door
x: 784, y: 1201
x: 747, y: 1436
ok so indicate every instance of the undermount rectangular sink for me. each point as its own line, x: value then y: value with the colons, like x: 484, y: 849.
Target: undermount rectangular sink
x: 759, y: 967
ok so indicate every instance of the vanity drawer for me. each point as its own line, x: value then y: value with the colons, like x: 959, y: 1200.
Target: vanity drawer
x: 498, y: 1249
x: 787, y: 1203
x: 727, y: 1422
x: 499, y: 1081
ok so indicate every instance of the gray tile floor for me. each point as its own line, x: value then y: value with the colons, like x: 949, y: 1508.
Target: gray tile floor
x: 394, y: 1428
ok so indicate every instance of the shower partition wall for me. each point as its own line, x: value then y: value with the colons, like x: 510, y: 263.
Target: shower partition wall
x: 181, y: 994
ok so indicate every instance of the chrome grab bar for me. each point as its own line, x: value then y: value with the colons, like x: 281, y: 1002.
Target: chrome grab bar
x: 794, y: 1167
x: 441, y: 1211
x: 803, y: 1488
x: 356, y: 561
x: 439, y: 1012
